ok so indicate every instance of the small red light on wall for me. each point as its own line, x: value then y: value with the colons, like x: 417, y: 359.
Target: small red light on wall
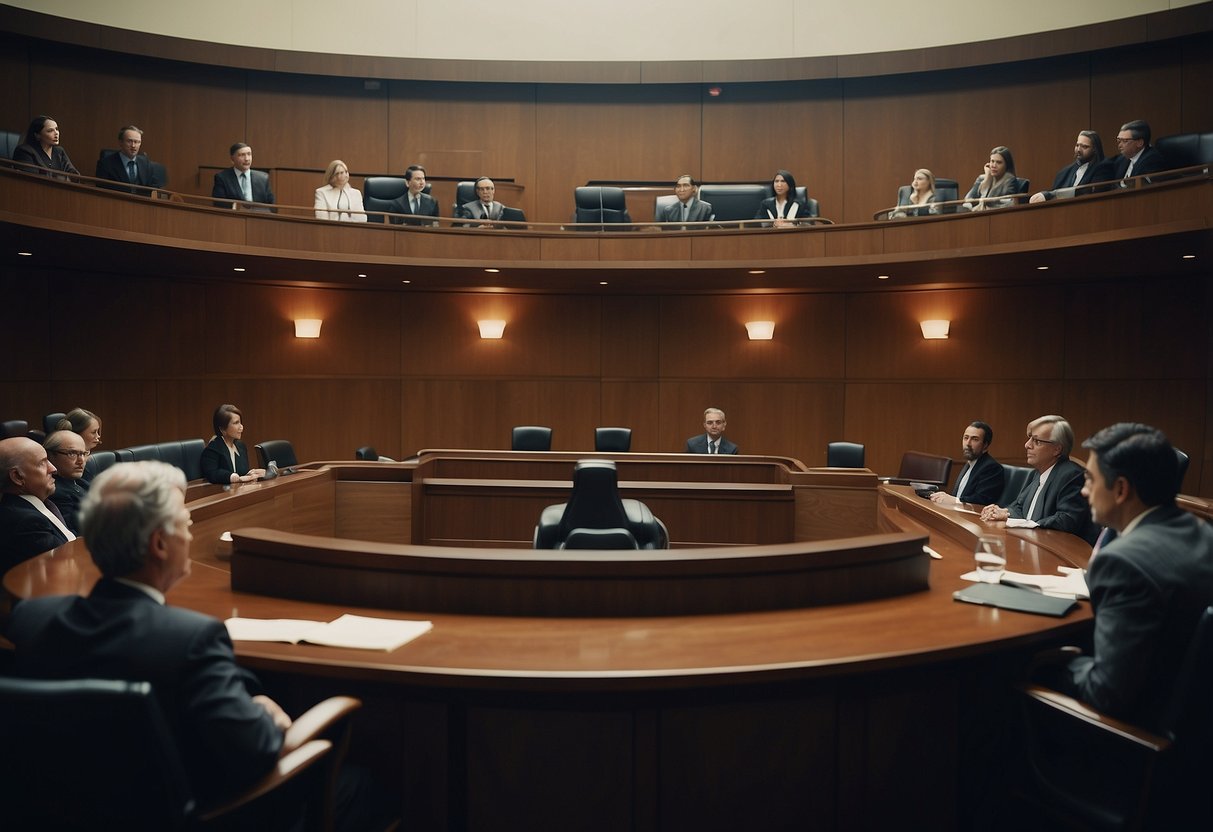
x: 714, y: 92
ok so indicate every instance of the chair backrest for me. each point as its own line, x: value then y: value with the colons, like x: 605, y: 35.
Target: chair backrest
x: 595, y: 502
x: 191, y: 457
x: 1186, y: 149
x: 380, y: 192
x: 1015, y: 477
x: 613, y: 439
x: 599, y: 203
x: 1192, y: 710
x: 138, y: 453
x: 599, y: 539
x: 1022, y: 186
x: 51, y: 420
x: 512, y: 214
x: 13, y: 427
x: 278, y: 450
x: 465, y: 192
x: 903, y: 195
x: 661, y: 202
x: 107, y: 739
x: 947, y: 190
x: 98, y: 461
x: 844, y: 455
x: 366, y: 452
x: 9, y: 142
x: 1181, y: 459
x: 531, y: 438
x: 929, y: 468
x: 733, y: 202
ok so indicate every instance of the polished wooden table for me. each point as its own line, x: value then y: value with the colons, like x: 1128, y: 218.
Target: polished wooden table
x: 838, y: 716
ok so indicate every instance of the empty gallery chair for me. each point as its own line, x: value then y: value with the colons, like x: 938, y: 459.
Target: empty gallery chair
x: 278, y: 451
x: 50, y: 422
x: 600, y: 204
x: 1015, y: 477
x: 733, y: 202
x: 379, y: 193
x: 13, y: 427
x: 366, y: 452
x: 596, y: 518
x: 617, y: 440
x: 844, y: 455
x: 531, y: 438
x: 916, y: 466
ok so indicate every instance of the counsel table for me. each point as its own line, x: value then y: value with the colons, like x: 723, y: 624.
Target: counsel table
x: 842, y: 716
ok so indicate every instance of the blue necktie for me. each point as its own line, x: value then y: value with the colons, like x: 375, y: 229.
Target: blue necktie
x: 132, y: 171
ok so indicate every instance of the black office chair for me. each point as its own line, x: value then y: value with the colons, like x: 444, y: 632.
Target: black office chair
x: 930, y: 469
x: 51, y: 421
x: 613, y: 440
x: 465, y: 192
x: 366, y: 452
x: 380, y: 193
x: 9, y: 142
x: 1181, y: 459
x: 600, y: 204
x: 13, y: 427
x: 1093, y: 772
x: 733, y: 202
x: 108, y: 744
x: 1183, y: 151
x: 947, y: 190
x: 596, y: 518
x: 844, y: 455
x: 278, y: 450
x: 1015, y: 477
x: 531, y: 438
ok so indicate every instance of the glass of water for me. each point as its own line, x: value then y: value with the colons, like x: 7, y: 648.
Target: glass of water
x: 991, y: 557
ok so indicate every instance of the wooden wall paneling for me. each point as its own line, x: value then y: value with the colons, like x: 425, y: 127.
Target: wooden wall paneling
x: 16, y: 109
x: 613, y: 133
x: 632, y: 404
x: 362, y: 240
x: 948, y: 121
x: 853, y: 242
x: 1141, y: 81
x: 497, y: 121
x: 491, y: 248
x: 994, y: 334
x: 893, y: 417
x: 913, y: 235
x: 705, y: 336
x: 1197, y: 97
x: 759, y: 244
x: 752, y: 130
x: 122, y: 334
x: 306, y: 121
x: 545, y: 335
x: 631, y: 336
x: 666, y: 247
x: 570, y: 407
x: 31, y: 332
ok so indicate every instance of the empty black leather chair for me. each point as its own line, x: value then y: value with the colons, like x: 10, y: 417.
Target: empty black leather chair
x: 844, y: 455
x: 916, y: 466
x: 1186, y: 150
x: 595, y: 505
x: 278, y: 450
x: 366, y: 452
x: 1015, y: 477
x: 613, y: 440
x: 170, y: 452
x: 379, y: 193
x: 98, y: 461
x: 13, y: 427
x: 531, y: 438
x: 9, y: 142
x: 191, y: 458
x: 733, y: 202
x: 465, y: 192
x: 50, y: 422
x: 137, y: 453
x: 600, y: 204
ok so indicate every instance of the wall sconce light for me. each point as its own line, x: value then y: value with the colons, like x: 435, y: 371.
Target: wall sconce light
x: 308, y: 327
x: 760, y: 330
x: 491, y: 329
x: 935, y: 330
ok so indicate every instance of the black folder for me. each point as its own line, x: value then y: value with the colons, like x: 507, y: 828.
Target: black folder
x: 1014, y: 598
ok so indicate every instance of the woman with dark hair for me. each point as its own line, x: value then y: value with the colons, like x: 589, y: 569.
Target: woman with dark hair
x: 41, y: 147
x: 225, y: 459
x: 84, y: 422
x: 784, y: 207
x: 997, y: 179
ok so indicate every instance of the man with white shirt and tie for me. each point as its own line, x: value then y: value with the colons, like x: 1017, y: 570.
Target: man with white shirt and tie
x: 1137, y: 156
x: 128, y: 165
x: 484, y: 206
x: 712, y: 440
x: 981, y: 479
x: 415, y: 202
x: 29, y: 523
x: 240, y: 184
x: 1089, y: 166
x: 688, y: 207
x: 1052, y: 497
x: 67, y: 452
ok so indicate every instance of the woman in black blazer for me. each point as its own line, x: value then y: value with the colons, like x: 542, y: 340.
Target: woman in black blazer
x: 225, y: 459
x: 41, y: 147
x: 784, y: 207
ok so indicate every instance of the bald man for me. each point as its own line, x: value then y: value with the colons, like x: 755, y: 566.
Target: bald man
x: 67, y: 452
x: 29, y: 523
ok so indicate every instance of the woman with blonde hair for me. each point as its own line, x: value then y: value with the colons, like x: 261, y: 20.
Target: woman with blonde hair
x: 918, y: 200
x: 337, y: 200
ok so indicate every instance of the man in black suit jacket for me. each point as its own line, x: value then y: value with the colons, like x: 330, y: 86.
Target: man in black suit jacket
x: 1052, y: 497
x: 416, y: 201
x: 1089, y: 166
x: 66, y: 451
x: 980, y: 480
x: 117, y: 166
x: 230, y: 183
x: 28, y: 524
x: 713, y: 440
x: 688, y: 203
x: 1149, y: 584
x: 138, y: 531
x: 1137, y: 156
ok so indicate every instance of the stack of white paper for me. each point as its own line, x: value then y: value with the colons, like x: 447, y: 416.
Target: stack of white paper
x: 354, y: 631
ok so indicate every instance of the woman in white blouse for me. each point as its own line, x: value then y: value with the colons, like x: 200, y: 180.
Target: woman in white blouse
x: 337, y: 200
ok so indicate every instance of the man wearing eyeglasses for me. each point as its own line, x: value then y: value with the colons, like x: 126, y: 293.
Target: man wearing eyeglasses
x: 1052, y: 498
x: 29, y: 523
x: 1137, y: 156
x: 66, y: 451
x: 1089, y: 166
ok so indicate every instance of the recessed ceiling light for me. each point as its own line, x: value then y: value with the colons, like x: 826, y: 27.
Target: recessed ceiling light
x: 237, y: 269
x: 758, y: 271
x: 1042, y: 268
x: 882, y: 277
x: 602, y: 283
x: 25, y: 254
x: 406, y: 281
x: 492, y: 271
x: 1185, y: 257
x: 362, y: 275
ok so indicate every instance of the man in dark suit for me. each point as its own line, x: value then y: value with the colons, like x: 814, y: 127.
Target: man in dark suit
x: 66, y: 451
x: 29, y: 524
x: 484, y: 206
x: 980, y: 480
x: 688, y: 207
x: 137, y: 527
x: 1149, y: 583
x: 1137, y: 156
x: 712, y: 440
x: 1052, y: 497
x: 1089, y: 166
x: 241, y: 184
x: 415, y: 202
x: 128, y: 165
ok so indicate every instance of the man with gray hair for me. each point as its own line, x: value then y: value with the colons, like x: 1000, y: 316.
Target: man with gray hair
x: 66, y: 451
x: 138, y: 530
x: 712, y: 440
x: 29, y: 523
x: 1052, y: 497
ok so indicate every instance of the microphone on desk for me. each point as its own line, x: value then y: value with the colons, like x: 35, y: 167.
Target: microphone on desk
x: 271, y: 470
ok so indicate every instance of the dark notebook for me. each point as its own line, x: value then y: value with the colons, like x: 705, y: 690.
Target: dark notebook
x: 1014, y: 598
